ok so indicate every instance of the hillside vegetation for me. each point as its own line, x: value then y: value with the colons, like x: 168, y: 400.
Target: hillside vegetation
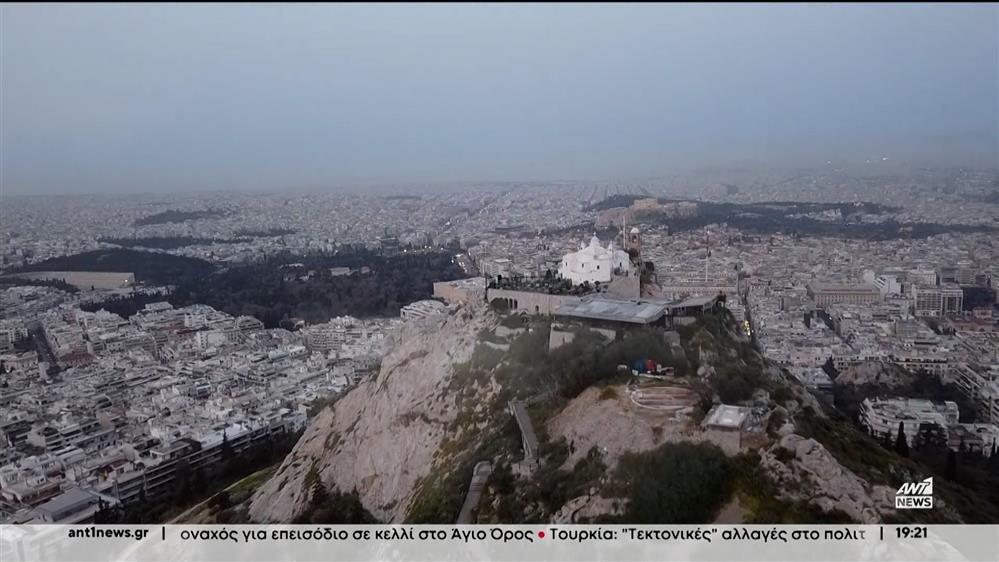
x: 440, y: 405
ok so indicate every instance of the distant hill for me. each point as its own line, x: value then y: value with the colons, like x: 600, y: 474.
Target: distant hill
x: 150, y: 267
x: 170, y: 242
x: 615, y: 201
x: 264, y: 233
x: 173, y: 216
x: 787, y: 217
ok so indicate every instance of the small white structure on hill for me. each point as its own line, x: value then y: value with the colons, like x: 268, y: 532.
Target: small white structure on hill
x: 594, y: 263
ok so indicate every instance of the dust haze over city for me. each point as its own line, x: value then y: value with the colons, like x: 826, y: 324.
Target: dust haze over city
x: 456, y: 263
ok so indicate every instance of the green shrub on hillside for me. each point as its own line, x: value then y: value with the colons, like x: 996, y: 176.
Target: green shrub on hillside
x: 678, y: 483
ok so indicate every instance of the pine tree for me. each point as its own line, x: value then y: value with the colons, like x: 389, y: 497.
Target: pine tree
x: 103, y: 514
x: 885, y: 440
x: 228, y: 455
x: 901, y: 444
x: 951, y: 471
x: 182, y: 481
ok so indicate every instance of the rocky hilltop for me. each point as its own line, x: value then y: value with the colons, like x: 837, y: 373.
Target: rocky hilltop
x: 609, y: 446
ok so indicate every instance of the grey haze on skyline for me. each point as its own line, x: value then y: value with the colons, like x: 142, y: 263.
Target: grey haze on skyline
x: 158, y: 98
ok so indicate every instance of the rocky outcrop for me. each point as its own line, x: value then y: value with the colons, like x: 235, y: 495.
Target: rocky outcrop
x: 381, y: 437
x: 875, y: 373
x: 406, y: 439
x: 607, y: 418
x: 805, y: 471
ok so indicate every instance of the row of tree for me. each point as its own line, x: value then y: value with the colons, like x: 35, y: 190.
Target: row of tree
x: 964, y: 465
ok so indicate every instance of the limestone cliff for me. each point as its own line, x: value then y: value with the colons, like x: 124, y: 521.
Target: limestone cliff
x: 381, y: 437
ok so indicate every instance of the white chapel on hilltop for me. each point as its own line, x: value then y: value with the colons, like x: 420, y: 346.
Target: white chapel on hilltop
x: 594, y: 263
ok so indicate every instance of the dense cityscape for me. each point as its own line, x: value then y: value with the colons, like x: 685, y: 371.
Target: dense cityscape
x: 100, y: 405
x: 539, y: 281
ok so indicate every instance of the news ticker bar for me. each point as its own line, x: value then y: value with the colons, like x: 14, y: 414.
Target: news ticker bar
x: 543, y: 542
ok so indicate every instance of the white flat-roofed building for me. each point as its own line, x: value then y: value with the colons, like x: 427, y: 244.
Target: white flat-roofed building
x: 725, y: 417
x: 493, y: 267
x: 724, y: 426
x: 825, y: 294
x: 937, y: 300
x: 982, y: 386
x: 10, y: 332
x: 881, y: 416
x: 888, y: 285
x: 933, y: 363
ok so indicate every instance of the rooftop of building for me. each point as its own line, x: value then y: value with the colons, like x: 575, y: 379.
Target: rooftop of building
x: 469, y: 283
x: 910, y: 406
x: 727, y: 417
x: 842, y: 287
x: 615, y: 310
x: 704, y: 301
x: 67, y: 500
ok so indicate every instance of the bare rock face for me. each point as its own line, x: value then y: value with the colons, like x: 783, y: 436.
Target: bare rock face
x: 380, y: 438
x: 874, y: 373
x: 805, y: 471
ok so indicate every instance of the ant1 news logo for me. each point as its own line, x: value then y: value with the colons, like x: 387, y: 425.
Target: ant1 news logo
x: 915, y: 495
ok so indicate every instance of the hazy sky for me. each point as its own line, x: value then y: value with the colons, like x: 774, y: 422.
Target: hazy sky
x: 147, y: 98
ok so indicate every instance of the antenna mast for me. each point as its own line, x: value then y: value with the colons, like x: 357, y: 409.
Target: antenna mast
x: 707, y: 255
